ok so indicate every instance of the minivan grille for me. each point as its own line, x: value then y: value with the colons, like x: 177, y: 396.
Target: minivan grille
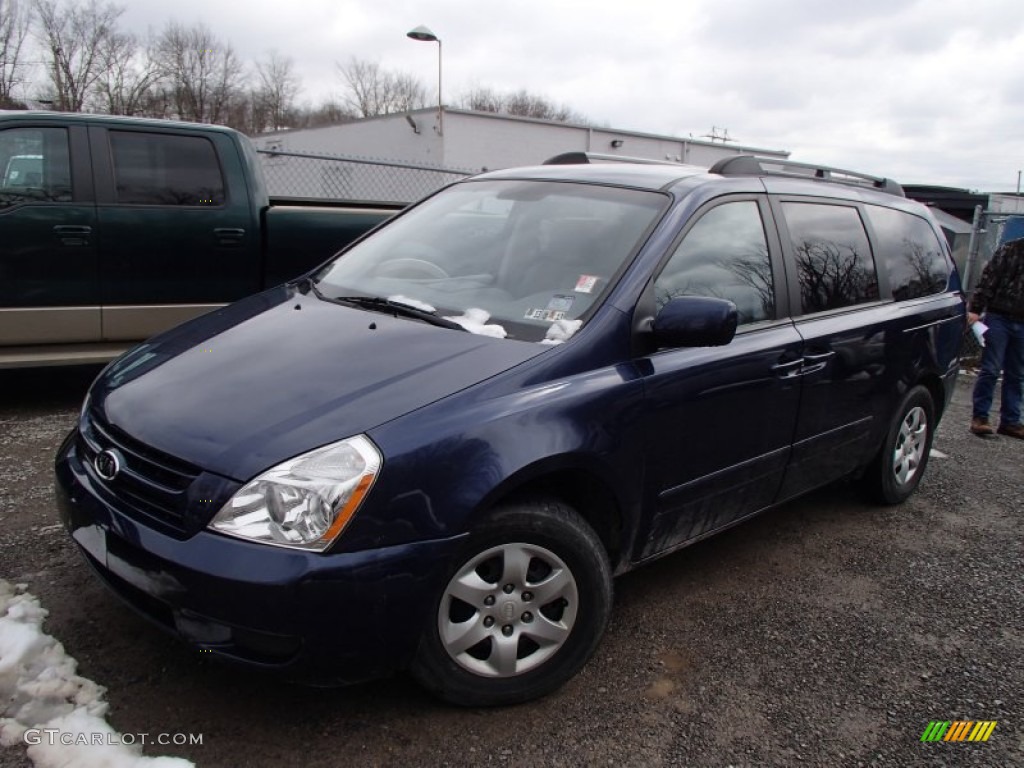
x: 151, y: 486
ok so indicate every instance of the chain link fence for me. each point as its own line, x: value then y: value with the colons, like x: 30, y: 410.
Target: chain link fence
x: 293, y: 174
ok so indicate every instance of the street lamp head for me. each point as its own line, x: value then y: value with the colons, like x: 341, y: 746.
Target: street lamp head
x: 423, y: 34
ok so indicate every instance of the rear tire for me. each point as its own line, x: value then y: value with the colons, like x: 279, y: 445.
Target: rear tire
x: 896, y: 471
x: 524, y: 607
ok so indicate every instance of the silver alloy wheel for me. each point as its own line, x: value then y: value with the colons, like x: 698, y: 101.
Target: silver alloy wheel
x: 508, y: 610
x: 910, y: 445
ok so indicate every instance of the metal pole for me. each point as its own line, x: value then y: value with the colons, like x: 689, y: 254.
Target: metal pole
x: 972, y: 248
x: 1018, y: 182
x: 440, y: 107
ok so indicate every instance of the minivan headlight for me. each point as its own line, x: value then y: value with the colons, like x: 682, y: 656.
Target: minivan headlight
x: 304, y: 502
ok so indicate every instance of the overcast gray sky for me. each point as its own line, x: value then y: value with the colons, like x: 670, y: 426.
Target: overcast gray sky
x: 928, y: 91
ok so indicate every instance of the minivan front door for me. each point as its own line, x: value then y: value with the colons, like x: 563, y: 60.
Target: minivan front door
x: 719, y: 421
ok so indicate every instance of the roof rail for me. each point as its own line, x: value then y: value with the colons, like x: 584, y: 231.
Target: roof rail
x: 748, y: 165
x: 586, y: 158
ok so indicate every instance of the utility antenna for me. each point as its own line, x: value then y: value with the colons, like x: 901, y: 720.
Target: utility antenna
x: 716, y: 136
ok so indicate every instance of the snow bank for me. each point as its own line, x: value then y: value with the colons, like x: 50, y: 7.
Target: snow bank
x: 475, y: 320
x: 39, y: 689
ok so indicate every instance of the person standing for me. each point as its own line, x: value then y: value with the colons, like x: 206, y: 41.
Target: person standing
x: 1000, y: 297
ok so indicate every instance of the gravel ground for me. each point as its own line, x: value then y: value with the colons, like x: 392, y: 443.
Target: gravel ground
x: 825, y: 633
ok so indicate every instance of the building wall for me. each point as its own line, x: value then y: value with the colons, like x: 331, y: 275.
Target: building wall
x: 1001, y: 203
x: 474, y: 141
x: 389, y: 138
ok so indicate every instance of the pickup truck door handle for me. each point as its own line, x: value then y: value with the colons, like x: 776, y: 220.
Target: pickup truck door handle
x: 229, y: 236
x: 73, y: 234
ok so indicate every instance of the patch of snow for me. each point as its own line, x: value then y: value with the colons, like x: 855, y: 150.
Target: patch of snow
x: 414, y: 303
x: 475, y: 320
x: 937, y: 454
x: 561, y: 331
x: 40, y: 689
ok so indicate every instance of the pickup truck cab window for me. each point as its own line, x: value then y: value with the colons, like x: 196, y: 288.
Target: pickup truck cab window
x: 162, y: 169
x: 36, y: 166
x: 724, y: 255
x: 833, y: 256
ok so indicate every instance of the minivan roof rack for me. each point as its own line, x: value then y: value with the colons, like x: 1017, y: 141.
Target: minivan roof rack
x: 748, y: 165
x: 585, y: 158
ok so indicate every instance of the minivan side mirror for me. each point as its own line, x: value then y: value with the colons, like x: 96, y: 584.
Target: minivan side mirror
x: 695, y: 321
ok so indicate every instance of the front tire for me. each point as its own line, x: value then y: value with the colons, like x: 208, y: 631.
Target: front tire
x: 897, y: 469
x: 525, y: 606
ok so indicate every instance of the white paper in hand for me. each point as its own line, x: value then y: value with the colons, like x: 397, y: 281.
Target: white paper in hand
x: 979, y: 329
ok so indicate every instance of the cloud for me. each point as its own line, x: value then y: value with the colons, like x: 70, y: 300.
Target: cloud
x: 925, y: 88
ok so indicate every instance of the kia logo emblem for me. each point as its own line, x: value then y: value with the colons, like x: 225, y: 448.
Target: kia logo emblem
x: 106, y: 465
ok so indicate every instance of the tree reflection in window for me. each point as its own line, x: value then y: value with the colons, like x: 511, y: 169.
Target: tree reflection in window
x: 911, y: 253
x: 724, y: 255
x: 833, y: 256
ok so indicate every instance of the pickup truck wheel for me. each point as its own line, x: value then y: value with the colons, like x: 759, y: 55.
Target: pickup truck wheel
x: 524, y: 607
x: 897, y: 469
x: 412, y: 269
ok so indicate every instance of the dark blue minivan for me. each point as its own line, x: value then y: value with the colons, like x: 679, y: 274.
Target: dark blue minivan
x: 435, y: 451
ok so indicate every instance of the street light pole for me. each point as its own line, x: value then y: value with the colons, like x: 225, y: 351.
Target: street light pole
x: 423, y: 34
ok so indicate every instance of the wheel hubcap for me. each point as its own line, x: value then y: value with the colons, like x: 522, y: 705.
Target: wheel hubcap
x: 508, y: 610
x: 910, y: 444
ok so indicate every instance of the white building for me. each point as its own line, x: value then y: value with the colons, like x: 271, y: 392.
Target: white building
x: 468, y: 142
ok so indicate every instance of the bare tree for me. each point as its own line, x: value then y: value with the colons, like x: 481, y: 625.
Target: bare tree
x: 203, y: 75
x: 129, y: 75
x: 521, y: 103
x: 14, y: 25
x: 327, y: 113
x: 74, y: 35
x: 483, y: 100
x: 374, y: 91
x: 278, y: 87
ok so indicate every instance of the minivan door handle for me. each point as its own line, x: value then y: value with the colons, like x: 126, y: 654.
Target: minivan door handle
x: 788, y: 369
x: 73, y: 234
x: 816, y: 362
x: 230, y: 237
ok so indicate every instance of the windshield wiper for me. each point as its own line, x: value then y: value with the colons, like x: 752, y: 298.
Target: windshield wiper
x: 397, y: 308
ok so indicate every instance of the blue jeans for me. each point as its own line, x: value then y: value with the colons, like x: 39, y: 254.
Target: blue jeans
x: 1004, y: 350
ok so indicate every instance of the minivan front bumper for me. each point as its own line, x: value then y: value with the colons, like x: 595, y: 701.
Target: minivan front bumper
x: 316, y: 617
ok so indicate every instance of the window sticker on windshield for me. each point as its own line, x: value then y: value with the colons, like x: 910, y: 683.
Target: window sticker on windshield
x: 586, y: 283
x: 545, y: 315
x: 561, y: 302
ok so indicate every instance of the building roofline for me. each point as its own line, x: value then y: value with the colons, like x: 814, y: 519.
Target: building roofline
x: 738, y: 148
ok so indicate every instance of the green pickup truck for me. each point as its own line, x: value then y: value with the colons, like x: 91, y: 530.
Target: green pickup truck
x: 113, y: 229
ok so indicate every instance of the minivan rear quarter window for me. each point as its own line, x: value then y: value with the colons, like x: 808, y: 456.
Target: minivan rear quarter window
x: 910, y: 252
x: 161, y: 169
x: 833, y: 256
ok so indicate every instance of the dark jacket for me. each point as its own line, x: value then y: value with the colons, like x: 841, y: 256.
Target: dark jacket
x: 1001, y: 288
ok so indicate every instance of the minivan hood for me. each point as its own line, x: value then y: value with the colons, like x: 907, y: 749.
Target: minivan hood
x: 281, y: 373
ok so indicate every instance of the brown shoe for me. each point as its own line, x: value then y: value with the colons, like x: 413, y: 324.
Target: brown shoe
x: 981, y: 426
x: 1012, y: 430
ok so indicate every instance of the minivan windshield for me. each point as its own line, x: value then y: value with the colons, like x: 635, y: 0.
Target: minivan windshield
x: 527, y: 260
